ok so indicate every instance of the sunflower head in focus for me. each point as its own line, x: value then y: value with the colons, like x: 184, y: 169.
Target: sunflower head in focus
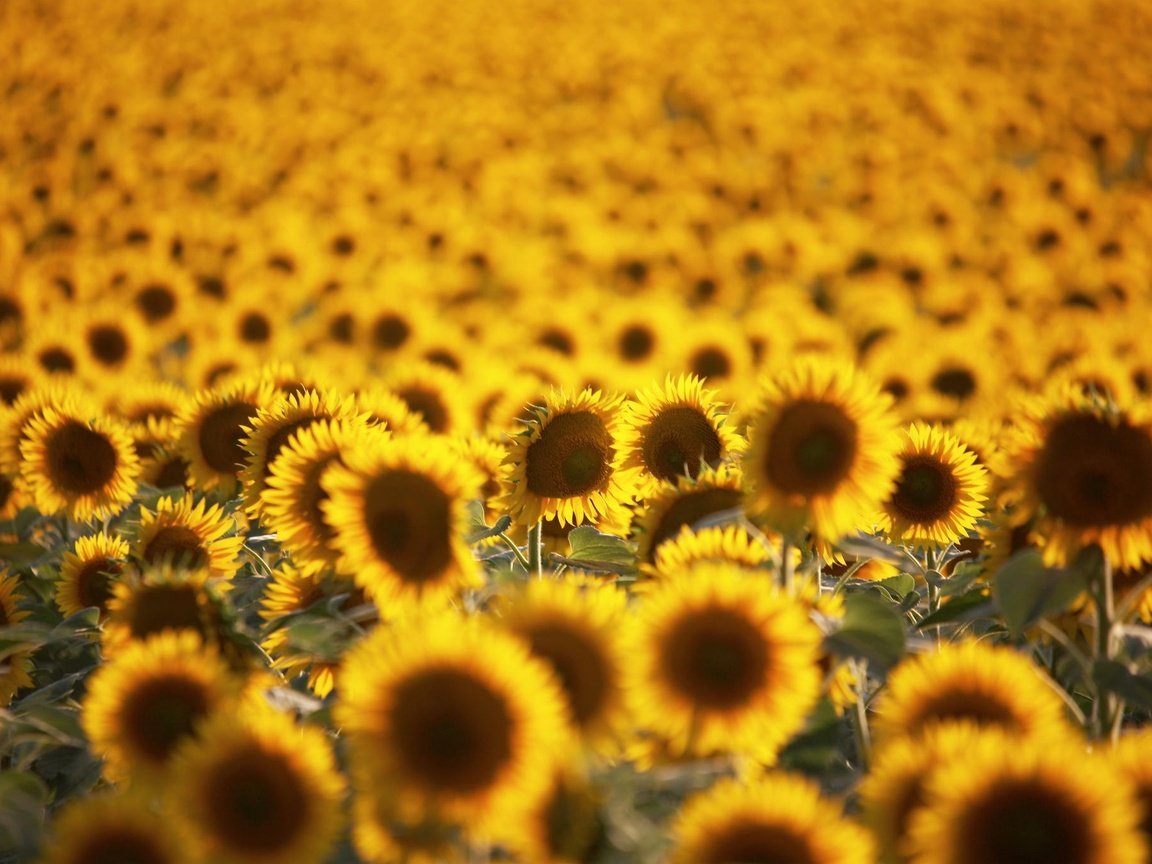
x: 450, y: 720
x: 722, y: 663
x: 673, y: 507
x: 939, y: 491
x: 16, y: 670
x: 398, y: 512
x: 150, y: 698
x: 188, y: 533
x: 568, y: 463
x: 778, y: 818
x: 258, y: 789
x: 1084, y: 471
x: 968, y: 682
x: 1041, y: 799
x: 88, y: 571
x: 674, y: 430
x: 823, y: 451
x: 108, y: 827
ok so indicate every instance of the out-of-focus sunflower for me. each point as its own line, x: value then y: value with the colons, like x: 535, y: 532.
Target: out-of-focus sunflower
x: 823, y: 451
x: 398, y: 512
x: 672, y: 507
x: 450, y: 719
x: 674, y: 430
x: 52, y: 346
x: 292, y: 378
x: 18, y: 375
x: 434, y: 393
x: 148, y: 699
x: 15, y: 423
x: 212, y: 430
x: 385, y: 407
x: 1008, y: 800
x: 162, y: 466
x: 12, y: 497
x: 938, y: 494
x: 85, y: 468
x: 717, y: 352
x: 719, y: 543
x: 1083, y: 470
x: 968, y: 682
x: 258, y: 788
x: 111, y: 827
x: 273, y: 428
x: 568, y: 464
x: 188, y: 533
x: 15, y: 670
x: 158, y: 600
x: 575, y: 629
x: 146, y: 401
x: 638, y: 335
x: 1132, y: 759
x: 779, y: 818
x: 487, y: 457
x: 721, y: 662
x: 895, y: 785
x: 88, y: 572
x: 290, y: 590
x: 112, y: 342
x: 295, y: 495
x: 567, y: 826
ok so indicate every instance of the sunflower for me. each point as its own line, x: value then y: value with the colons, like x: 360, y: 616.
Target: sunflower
x: 780, y: 818
x: 258, y: 789
x: 15, y: 423
x: 158, y: 600
x: 574, y: 627
x: 13, y: 497
x: 212, y: 432
x: 1084, y: 471
x: 16, y: 669
x: 567, y: 826
x: 111, y: 341
x: 273, y: 428
x: 968, y: 681
x: 397, y: 510
x: 386, y: 408
x: 1132, y: 758
x: 675, y: 430
x: 434, y: 393
x: 88, y: 572
x: 188, y: 533
x: 823, y: 452
x: 717, y: 351
x: 450, y: 719
x: 721, y: 662
x: 938, y: 494
x: 673, y: 507
x: 18, y: 375
x: 147, y: 401
x: 109, y: 827
x: 294, y: 497
x: 895, y: 786
x: 85, y: 468
x: 720, y: 543
x: 1007, y: 800
x: 149, y: 698
x: 290, y: 590
x: 568, y: 463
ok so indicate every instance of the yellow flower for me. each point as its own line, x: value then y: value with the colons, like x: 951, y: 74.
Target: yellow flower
x: 673, y: 508
x: 16, y: 669
x: 88, y: 572
x: 112, y: 827
x: 188, y: 533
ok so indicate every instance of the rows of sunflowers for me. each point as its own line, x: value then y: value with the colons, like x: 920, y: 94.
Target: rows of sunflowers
x: 530, y: 432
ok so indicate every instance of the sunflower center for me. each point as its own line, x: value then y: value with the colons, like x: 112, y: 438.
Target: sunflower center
x: 1092, y: 473
x: 94, y: 582
x: 578, y: 663
x: 312, y: 496
x: 80, y: 461
x: 6, y: 490
x: 409, y: 520
x: 177, y: 544
x: 689, y: 509
x: 452, y: 733
x: 677, y: 440
x: 11, y: 388
x: 1023, y: 822
x: 57, y: 360
x: 750, y: 842
x: 926, y: 491
x: 390, y: 332
x: 171, y: 473
x: 161, y: 713
x: 558, y: 340
x: 120, y: 844
x: 811, y: 448
x: 342, y: 328
x: 257, y: 803
x: 572, y: 456
x: 254, y: 327
x: 636, y: 343
x: 164, y: 607
x: 278, y: 440
x: 220, y: 435
x: 956, y: 382
x: 156, y: 302
x: 711, y: 363
x: 979, y: 708
x: 428, y: 404
x: 108, y: 344
x: 715, y: 657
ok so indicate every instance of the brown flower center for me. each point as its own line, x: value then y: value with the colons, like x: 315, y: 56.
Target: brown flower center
x: 176, y: 544
x: 751, y: 842
x: 156, y: 302
x: 94, y: 582
x: 811, y: 448
x: 57, y: 360
x: 956, y: 382
x: 689, y: 509
x: 579, y: 665
x: 108, y: 344
x: 958, y: 704
x: 572, y: 456
x: 428, y: 404
x: 257, y: 802
x: 81, y: 461
x: 676, y: 441
x: 715, y: 657
x: 221, y: 433
x: 161, y: 713
x: 120, y: 844
x: 711, y: 363
x: 155, y: 608
x: 926, y: 492
x: 1024, y: 822
x: 390, y: 332
x: 409, y: 520
x: 636, y: 343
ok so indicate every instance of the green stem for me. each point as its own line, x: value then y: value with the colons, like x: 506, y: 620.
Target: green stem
x: 511, y: 544
x: 860, y: 727
x: 1106, y: 709
x: 536, y: 550
x: 787, y: 568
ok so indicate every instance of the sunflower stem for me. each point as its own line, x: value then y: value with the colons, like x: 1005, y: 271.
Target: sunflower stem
x: 536, y: 549
x: 511, y: 544
x: 787, y: 568
x: 860, y: 730
x: 1106, y: 709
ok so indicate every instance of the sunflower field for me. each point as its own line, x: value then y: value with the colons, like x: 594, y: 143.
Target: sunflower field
x: 576, y: 433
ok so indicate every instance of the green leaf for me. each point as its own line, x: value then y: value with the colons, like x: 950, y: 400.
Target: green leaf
x: 1025, y: 590
x: 590, y: 545
x: 872, y: 630
x: 817, y: 746
x: 874, y: 549
x: 23, y: 799
x: 967, y: 607
x: 1116, y: 678
x: 895, y: 588
x: 21, y: 553
x: 502, y: 525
